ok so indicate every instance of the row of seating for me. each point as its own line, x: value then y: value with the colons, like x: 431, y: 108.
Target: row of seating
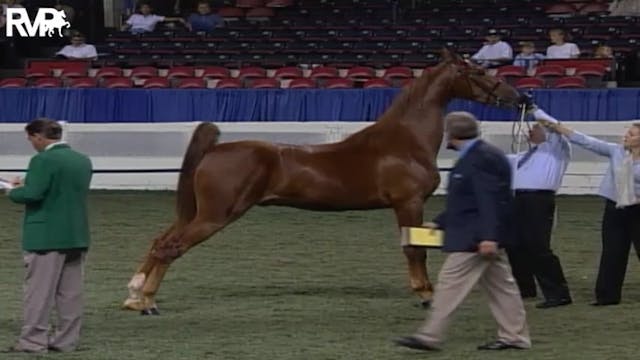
x: 259, y: 83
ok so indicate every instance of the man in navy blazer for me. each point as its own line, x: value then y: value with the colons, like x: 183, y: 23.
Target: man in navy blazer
x: 476, y: 223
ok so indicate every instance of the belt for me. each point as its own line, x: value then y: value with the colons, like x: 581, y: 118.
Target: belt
x: 535, y: 191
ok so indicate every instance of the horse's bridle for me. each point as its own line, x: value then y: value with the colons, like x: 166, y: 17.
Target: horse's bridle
x: 490, y: 91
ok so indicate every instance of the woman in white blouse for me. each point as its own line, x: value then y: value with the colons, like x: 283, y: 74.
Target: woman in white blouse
x: 561, y: 49
x: 145, y: 21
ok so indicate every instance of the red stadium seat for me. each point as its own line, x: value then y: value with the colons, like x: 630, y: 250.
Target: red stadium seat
x: 376, y: 83
x: 106, y: 72
x: 180, y: 72
x: 511, y: 70
x: 13, y: 83
x: 398, y: 72
x: 302, y: 83
x: 550, y: 70
x: 35, y: 73
x: 323, y: 72
x: 595, y: 8
x: 289, y: 72
x: 252, y: 72
x: 191, y: 83
x: 83, y: 82
x: 144, y: 72
x: 560, y: 9
x: 529, y: 83
x: 590, y: 69
x: 260, y: 13
x: 230, y: 83
x: 156, y: 83
x: 279, y: 3
x: 338, y: 83
x: 264, y: 83
x: 48, y: 82
x: 249, y: 3
x: 360, y: 73
x: 215, y: 72
x: 73, y: 73
x: 231, y: 12
x: 118, y: 82
x: 571, y: 82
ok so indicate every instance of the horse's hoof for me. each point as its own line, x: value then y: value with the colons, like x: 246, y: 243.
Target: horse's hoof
x: 425, y: 304
x: 132, y: 304
x: 150, y: 311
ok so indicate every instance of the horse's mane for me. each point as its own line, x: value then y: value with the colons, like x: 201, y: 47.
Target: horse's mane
x: 412, y: 94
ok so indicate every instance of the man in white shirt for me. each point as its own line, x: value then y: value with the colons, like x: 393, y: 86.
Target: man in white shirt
x: 561, y: 49
x: 537, y: 176
x: 494, y: 52
x: 78, y: 49
x: 145, y: 21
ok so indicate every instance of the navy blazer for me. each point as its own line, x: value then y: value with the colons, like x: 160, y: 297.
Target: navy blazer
x: 479, y: 200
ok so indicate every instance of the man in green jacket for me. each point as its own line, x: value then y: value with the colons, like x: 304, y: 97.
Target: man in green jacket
x: 55, y: 239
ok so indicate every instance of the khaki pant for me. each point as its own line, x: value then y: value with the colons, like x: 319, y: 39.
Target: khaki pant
x: 52, y: 278
x: 459, y: 273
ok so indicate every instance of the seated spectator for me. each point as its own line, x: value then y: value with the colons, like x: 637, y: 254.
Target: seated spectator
x: 145, y: 21
x: 603, y: 52
x: 561, y: 49
x: 204, y: 19
x: 494, y: 52
x: 528, y: 57
x: 78, y: 50
x: 624, y: 8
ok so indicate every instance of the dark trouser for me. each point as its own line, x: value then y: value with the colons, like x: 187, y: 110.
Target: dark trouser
x: 620, y: 228
x: 531, y: 256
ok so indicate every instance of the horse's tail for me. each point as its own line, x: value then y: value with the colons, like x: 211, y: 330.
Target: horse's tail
x: 204, y: 139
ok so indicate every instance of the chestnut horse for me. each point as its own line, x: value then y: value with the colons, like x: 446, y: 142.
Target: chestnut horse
x: 389, y: 164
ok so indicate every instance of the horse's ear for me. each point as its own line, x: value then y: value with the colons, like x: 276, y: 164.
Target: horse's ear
x: 447, y: 55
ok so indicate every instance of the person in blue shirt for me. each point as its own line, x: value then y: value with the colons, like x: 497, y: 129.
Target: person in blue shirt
x: 528, y: 57
x: 204, y: 19
x: 537, y: 176
x: 620, y: 188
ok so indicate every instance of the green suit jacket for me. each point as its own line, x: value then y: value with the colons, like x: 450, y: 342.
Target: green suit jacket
x: 55, y: 195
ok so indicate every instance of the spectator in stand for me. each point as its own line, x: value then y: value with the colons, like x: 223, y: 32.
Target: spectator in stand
x: 560, y: 48
x: 624, y: 8
x: 494, y: 53
x: 603, y: 52
x: 528, y: 57
x: 204, y: 19
x: 145, y: 21
x: 78, y: 50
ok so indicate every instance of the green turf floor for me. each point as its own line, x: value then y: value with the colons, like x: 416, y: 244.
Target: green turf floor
x: 289, y: 284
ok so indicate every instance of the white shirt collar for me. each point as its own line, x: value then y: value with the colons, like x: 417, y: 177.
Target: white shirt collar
x: 54, y: 144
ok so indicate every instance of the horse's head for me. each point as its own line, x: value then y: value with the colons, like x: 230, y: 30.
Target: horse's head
x: 472, y: 82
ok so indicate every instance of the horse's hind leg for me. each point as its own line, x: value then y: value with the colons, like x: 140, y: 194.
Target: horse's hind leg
x: 410, y: 214
x: 134, y: 301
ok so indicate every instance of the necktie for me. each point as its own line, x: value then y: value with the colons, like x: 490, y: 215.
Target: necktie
x: 527, y: 156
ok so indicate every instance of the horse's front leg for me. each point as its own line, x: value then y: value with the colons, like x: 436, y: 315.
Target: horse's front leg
x: 409, y: 213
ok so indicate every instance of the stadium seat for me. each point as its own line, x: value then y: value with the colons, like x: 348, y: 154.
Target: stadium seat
x: 215, y: 72
x: 231, y: 12
x: 47, y: 82
x: 529, y: 83
x: 360, y: 73
x: 252, y: 72
x: 230, y: 83
x: 560, y: 9
x: 107, y: 72
x: 594, y: 8
x: 376, y: 83
x: 249, y: 3
x: 264, y: 83
x: 118, y: 82
x: 13, y: 82
x: 180, y: 72
x: 190, y: 83
x: 337, y: 83
x: 156, y: 82
x: 36, y: 73
x: 302, y: 83
x: 323, y: 72
x: 511, y: 73
x: 73, y: 73
x: 398, y: 72
x: 83, y: 82
x: 571, y: 82
x: 288, y: 72
x: 144, y: 72
x: 279, y: 3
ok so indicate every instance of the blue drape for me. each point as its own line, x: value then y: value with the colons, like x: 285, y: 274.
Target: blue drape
x: 169, y: 105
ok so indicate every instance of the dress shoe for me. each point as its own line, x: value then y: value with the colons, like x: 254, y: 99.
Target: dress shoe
x: 604, y: 303
x: 499, y: 345
x: 551, y: 303
x: 414, y: 343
